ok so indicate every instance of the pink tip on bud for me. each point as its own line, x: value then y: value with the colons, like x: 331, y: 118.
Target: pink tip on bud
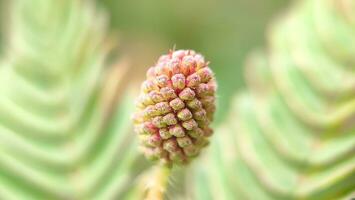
x: 193, y: 80
x: 200, y: 61
x: 155, y: 96
x: 200, y: 114
x: 177, y: 131
x: 188, y: 64
x: 164, y: 133
x: 206, y: 74
x: 179, y: 54
x: 148, y: 86
x: 162, y: 108
x: 178, y: 81
x: 158, y: 122
x: 170, y: 119
x: 151, y: 73
x: 170, y: 145
x: 173, y: 66
x: 194, y: 104
x: 168, y: 93
x: 154, y: 140
x: 150, y: 111
x: 190, y: 124
x: 187, y: 94
x: 164, y: 58
x: 184, y: 114
x: 177, y: 104
x: 162, y: 80
x: 204, y: 89
x: 149, y: 128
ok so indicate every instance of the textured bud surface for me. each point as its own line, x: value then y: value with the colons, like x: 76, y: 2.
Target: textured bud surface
x: 175, y: 107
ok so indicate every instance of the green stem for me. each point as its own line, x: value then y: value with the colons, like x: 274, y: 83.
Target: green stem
x: 158, y: 183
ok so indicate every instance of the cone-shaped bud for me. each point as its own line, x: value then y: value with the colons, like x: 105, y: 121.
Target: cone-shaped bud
x: 175, y: 108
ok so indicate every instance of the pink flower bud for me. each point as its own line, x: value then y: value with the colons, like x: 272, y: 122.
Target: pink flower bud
x: 170, y: 119
x: 177, y: 131
x: 155, y: 96
x: 175, y: 108
x: 194, y: 104
x: 178, y: 81
x: 168, y: 93
x: 162, y: 80
x: 184, y: 114
x: 190, y: 124
x: 187, y: 94
x: 177, y: 104
x: 164, y: 133
x: 170, y: 145
x: 193, y: 80
x: 158, y: 122
x: 148, y: 86
x: 200, y: 114
x: 205, y: 74
x: 162, y: 108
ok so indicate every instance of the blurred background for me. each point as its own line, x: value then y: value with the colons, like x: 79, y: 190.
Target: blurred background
x: 224, y: 31
x: 70, y: 70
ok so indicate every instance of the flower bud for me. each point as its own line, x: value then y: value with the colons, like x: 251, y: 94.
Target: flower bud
x: 178, y: 81
x: 193, y: 80
x: 168, y: 93
x: 177, y: 104
x: 177, y: 131
x: 162, y: 80
x: 175, y: 108
x: 184, y: 114
x: 170, y: 119
x: 187, y: 94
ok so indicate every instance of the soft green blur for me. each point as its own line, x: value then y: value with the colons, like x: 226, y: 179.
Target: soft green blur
x: 224, y: 31
x: 68, y: 81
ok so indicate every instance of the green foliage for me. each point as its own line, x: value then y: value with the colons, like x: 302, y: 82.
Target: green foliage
x: 65, y: 114
x: 61, y: 134
x: 291, y: 134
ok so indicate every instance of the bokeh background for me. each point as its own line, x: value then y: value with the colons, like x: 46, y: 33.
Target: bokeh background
x: 71, y: 69
x: 224, y: 31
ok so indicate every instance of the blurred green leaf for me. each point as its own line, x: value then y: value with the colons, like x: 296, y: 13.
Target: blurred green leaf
x: 291, y: 134
x: 64, y: 123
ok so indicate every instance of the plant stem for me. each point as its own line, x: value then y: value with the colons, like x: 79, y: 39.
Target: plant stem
x: 158, y: 183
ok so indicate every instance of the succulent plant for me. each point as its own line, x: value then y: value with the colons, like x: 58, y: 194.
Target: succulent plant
x: 176, y: 107
x: 291, y: 135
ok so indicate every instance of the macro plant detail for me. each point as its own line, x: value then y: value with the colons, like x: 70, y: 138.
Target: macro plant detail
x: 175, y: 108
x: 70, y: 128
